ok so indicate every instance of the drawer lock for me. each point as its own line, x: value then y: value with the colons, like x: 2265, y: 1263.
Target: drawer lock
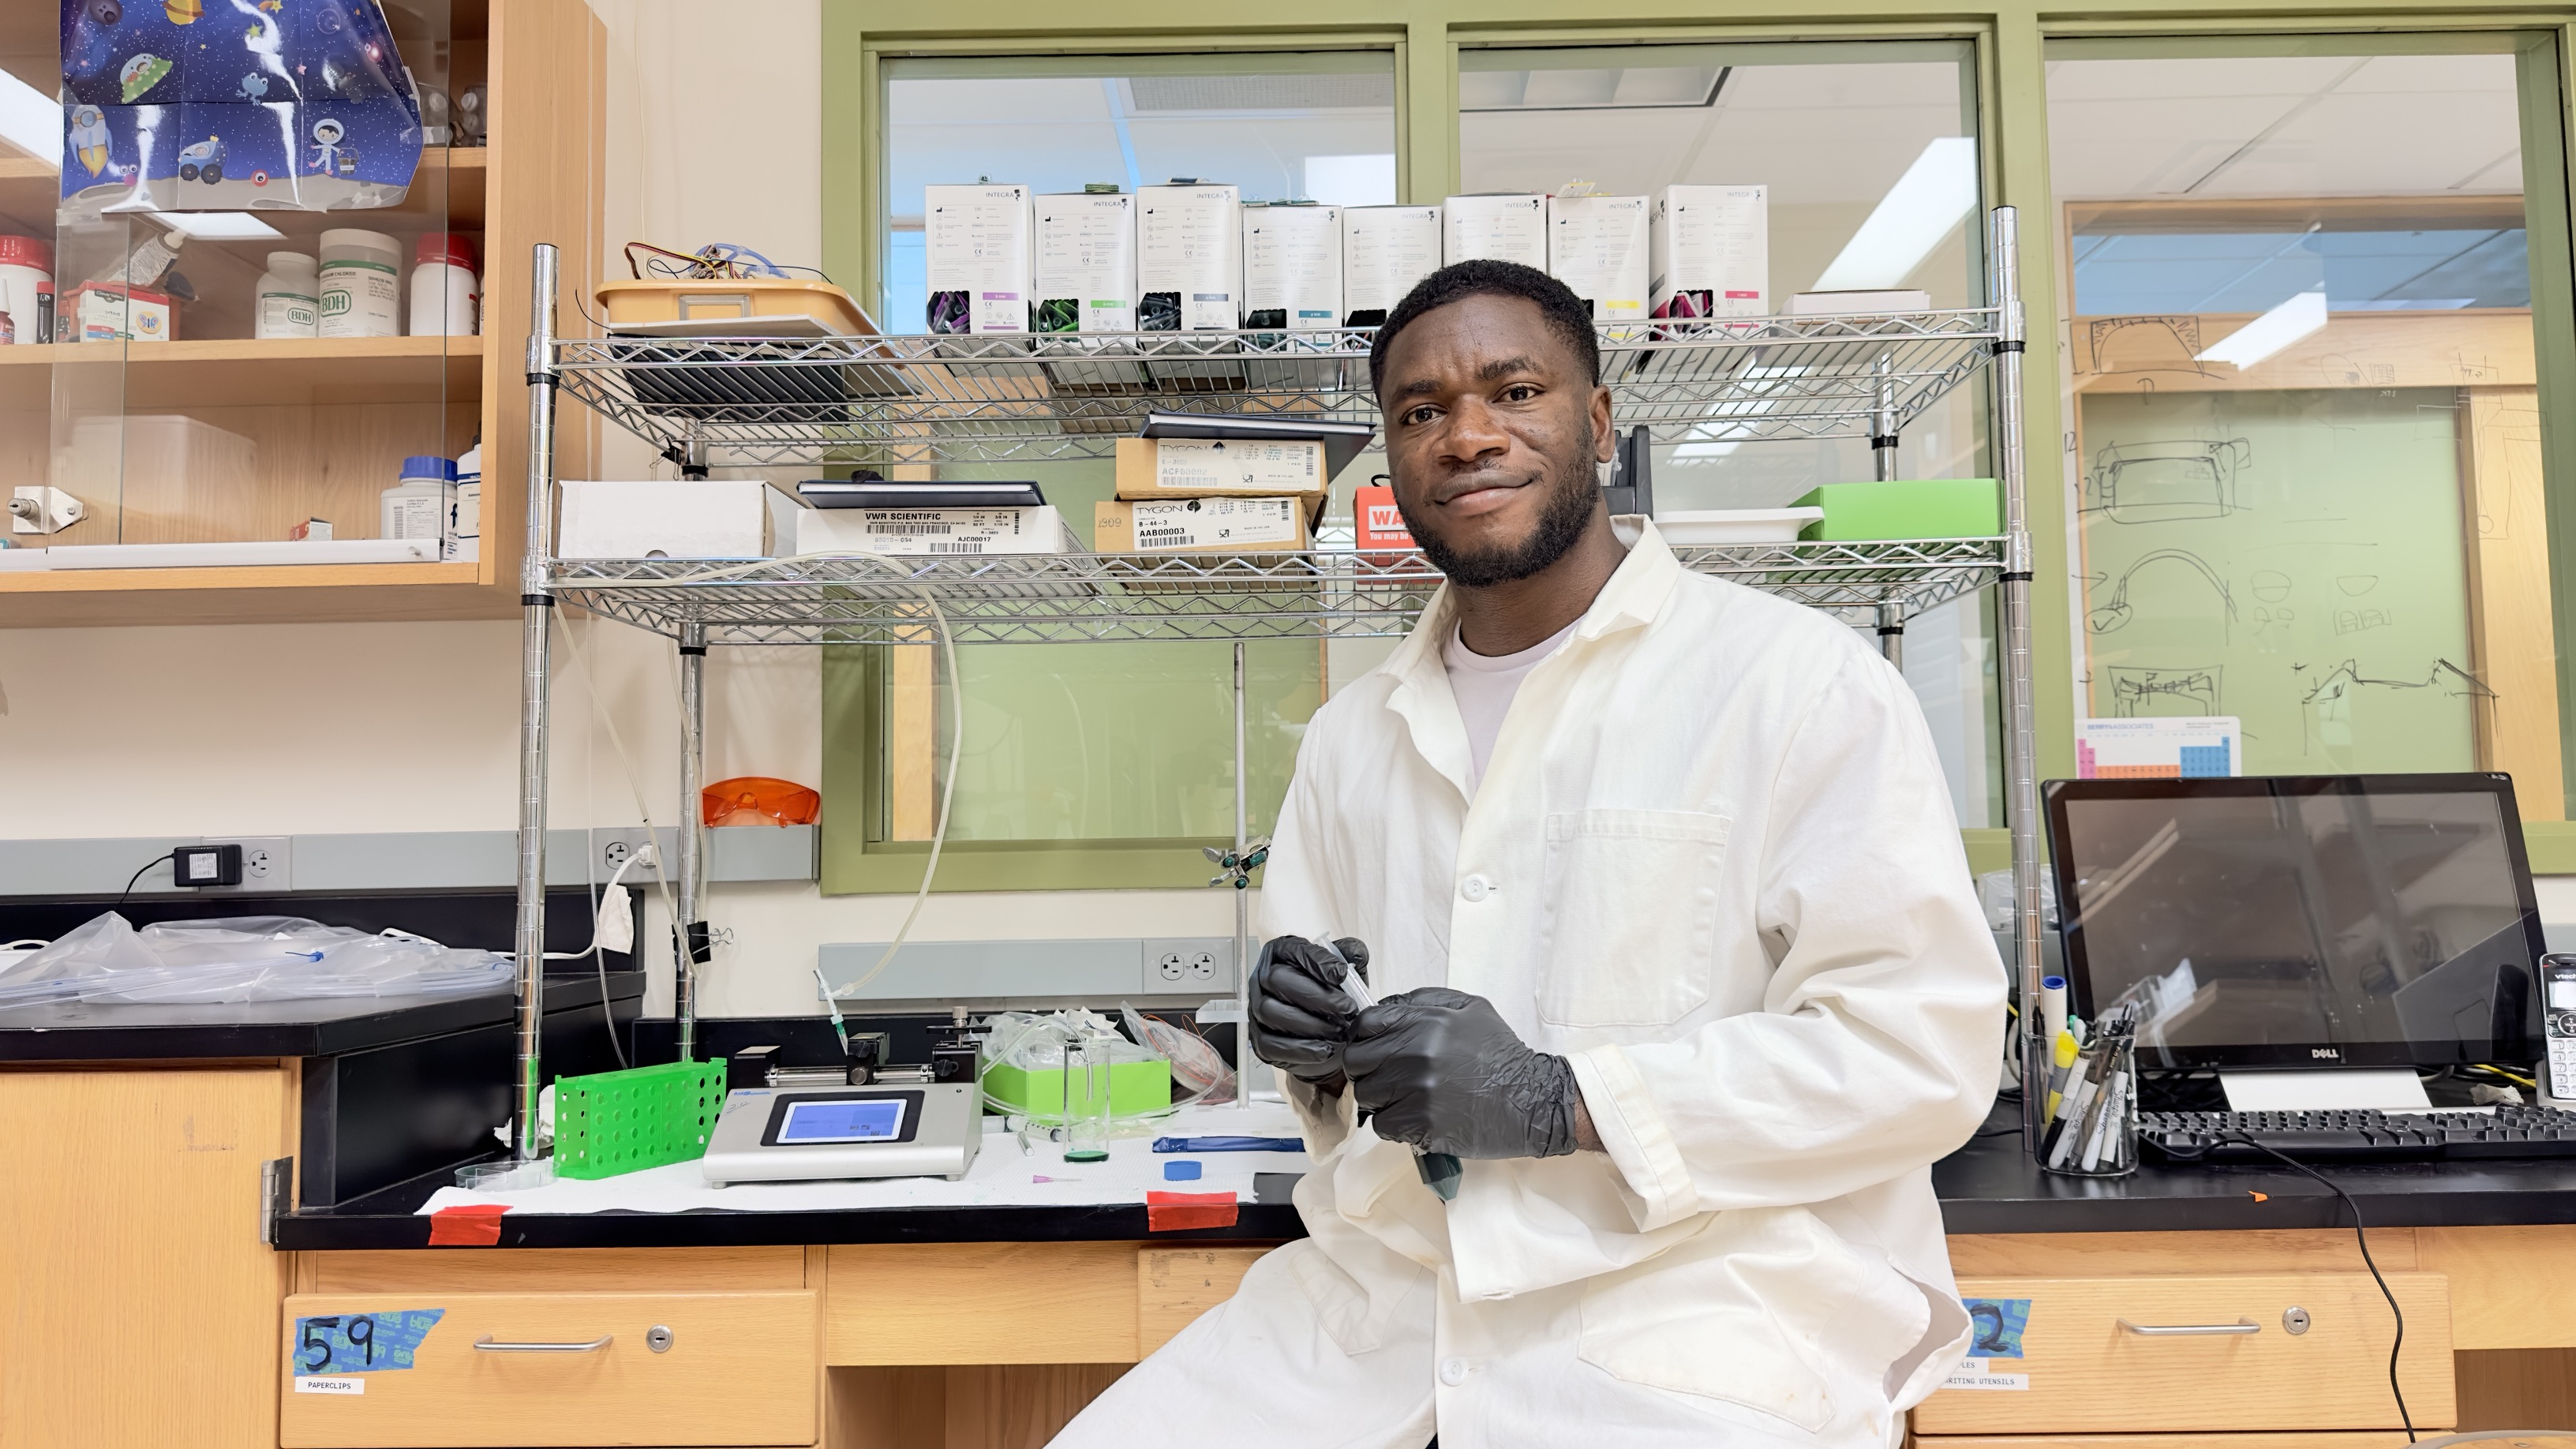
x: 658, y: 1337
x: 2294, y: 1320
x: 2189, y: 1330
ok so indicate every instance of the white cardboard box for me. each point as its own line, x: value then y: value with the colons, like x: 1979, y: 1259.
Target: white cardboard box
x: 1596, y: 245
x: 1386, y: 250
x: 934, y: 532
x: 1710, y: 251
x: 710, y: 518
x: 1510, y: 228
x: 1086, y: 263
x: 1189, y: 258
x: 976, y: 240
x: 1292, y: 265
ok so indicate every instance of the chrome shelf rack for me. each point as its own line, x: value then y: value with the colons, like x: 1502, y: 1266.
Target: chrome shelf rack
x: 768, y: 401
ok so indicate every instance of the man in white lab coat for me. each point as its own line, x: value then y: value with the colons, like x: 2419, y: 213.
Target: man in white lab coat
x: 1662, y: 878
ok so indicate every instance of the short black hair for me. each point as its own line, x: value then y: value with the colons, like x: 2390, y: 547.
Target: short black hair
x: 1568, y: 315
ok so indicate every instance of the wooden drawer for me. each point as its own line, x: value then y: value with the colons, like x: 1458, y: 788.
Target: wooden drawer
x: 2086, y: 1372
x: 2331, y: 1439
x: 740, y: 1369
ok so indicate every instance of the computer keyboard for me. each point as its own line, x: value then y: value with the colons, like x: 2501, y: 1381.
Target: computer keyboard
x: 2359, y: 1135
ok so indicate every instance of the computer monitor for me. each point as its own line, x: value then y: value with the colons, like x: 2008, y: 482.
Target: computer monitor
x: 2301, y: 920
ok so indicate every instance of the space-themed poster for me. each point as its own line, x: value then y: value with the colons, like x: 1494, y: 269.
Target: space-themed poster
x: 235, y: 105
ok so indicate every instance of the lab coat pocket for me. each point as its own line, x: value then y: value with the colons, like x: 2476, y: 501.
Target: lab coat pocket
x: 1767, y: 1308
x: 1630, y: 934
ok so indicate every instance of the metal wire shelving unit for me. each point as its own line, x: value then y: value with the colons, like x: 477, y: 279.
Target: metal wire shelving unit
x: 745, y: 402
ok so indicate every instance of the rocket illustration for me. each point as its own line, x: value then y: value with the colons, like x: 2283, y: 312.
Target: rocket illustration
x: 88, y: 137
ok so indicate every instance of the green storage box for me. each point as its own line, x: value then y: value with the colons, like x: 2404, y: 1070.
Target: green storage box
x: 613, y: 1122
x: 1135, y: 1088
x: 1913, y: 508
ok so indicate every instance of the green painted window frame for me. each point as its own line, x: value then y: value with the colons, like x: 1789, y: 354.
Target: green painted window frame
x: 2011, y: 42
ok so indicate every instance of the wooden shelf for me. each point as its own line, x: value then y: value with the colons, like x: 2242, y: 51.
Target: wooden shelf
x: 316, y: 593
x: 449, y: 181
x: 226, y: 372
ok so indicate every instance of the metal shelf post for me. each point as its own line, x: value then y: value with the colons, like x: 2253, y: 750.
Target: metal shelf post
x: 2021, y: 732
x: 536, y: 610
x: 688, y: 933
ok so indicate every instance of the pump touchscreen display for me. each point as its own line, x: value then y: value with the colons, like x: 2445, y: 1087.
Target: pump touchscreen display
x: 874, y: 1120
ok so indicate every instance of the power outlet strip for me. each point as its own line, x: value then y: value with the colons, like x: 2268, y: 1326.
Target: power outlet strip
x: 945, y: 972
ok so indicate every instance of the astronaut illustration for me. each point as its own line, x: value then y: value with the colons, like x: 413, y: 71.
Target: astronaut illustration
x: 88, y: 138
x: 330, y: 158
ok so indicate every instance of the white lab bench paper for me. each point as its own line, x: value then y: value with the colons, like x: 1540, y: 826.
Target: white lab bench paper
x: 1002, y: 1176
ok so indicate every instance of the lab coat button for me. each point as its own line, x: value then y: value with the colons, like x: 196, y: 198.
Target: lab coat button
x: 1453, y: 1372
x: 1476, y: 888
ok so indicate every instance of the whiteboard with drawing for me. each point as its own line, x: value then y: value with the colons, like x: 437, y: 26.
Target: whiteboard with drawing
x: 2294, y: 559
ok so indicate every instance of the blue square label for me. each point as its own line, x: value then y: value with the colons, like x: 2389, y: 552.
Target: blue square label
x: 359, y: 1343
x: 1996, y: 1325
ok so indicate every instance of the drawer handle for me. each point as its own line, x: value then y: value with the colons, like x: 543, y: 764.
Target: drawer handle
x: 493, y: 1345
x: 2190, y: 1330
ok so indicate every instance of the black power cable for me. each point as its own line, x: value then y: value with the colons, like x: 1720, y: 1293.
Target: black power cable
x: 138, y: 875
x: 2363, y: 1237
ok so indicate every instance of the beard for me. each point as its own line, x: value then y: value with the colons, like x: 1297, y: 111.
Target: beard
x: 1572, y: 493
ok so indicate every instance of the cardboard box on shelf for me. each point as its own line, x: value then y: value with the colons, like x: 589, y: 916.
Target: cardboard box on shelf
x: 1189, y: 258
x: 1709, y: 249
x: 1385, y: 251
x: 115, y: 312
x: 1292, y: 266
x: 1223, y: 468
x: 1596, y: 245
x: 696, y: 518
x: 1199, y: 525
x: 934, y: 532
x: 976, y: 248
x: 1510, y: 227
x: 1086, y: 263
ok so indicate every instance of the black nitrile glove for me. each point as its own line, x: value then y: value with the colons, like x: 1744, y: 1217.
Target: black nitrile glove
x: 1300, y: 1015
x: 1444, y: 1072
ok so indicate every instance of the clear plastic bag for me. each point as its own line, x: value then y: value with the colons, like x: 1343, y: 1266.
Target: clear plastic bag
x: 246, y: 958
x: 1197, y: 1068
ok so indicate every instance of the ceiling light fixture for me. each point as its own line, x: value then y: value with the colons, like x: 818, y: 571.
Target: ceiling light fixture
x: 2302, y: 314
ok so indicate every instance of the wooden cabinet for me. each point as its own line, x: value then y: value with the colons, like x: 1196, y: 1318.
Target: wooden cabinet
x: 218, y: 436
x: 2217, y: 1353
x: 137, y: 1301
x: 543, y: 1369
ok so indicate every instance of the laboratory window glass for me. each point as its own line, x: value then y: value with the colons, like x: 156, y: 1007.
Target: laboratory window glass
x: 1868, y: 157
x: 1100, y: 764
x: 2303, y: 452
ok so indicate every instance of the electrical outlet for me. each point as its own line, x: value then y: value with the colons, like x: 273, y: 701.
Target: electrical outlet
x: 616, y: 846
x: 268, y: 863
x: 1187, y: 964
x: 1173, y: 966
x: 1202, y: 967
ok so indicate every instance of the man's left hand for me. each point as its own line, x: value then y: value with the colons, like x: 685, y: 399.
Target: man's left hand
x: 1442, y: 1071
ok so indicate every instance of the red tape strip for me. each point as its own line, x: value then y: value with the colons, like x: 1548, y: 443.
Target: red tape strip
x: 1172, y: 1212
x: 477, y: 1225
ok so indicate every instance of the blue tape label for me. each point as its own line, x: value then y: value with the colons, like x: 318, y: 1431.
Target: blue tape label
x: 1998, y: 1324
x: 358, y: 1343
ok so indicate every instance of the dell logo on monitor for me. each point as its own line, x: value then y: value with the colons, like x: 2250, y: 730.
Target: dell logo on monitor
x: 2328, y: 1053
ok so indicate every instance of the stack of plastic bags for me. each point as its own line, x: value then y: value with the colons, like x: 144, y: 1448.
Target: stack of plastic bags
x: 246, y: 958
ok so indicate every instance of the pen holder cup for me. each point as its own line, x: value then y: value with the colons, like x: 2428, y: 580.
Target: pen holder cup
x: 2093, y: 1126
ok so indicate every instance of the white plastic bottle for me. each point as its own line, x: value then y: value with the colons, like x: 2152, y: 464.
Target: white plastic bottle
x: 416, y: 506
x: 361, y: 284
x: 463, y: 540
x: 290, y: 297
x: 444, y: 294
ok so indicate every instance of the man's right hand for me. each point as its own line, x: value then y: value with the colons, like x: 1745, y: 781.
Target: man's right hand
x: 1300, y: 1015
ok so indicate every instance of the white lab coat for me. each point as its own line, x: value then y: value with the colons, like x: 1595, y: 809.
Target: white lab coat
x: 1713, y: 862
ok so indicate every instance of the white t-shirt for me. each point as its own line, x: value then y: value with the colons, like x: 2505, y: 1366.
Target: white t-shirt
x: 1484, y: 685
